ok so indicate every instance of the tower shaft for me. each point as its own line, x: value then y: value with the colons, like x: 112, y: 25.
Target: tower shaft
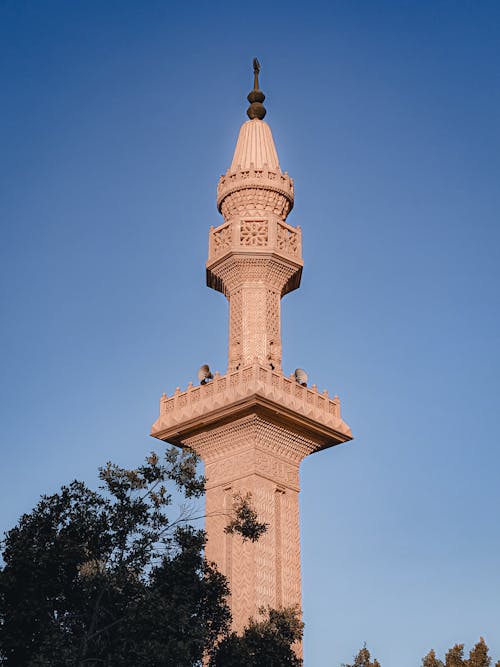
x: 254, y: 256
x: 251, y: 458
x: 253, y: 426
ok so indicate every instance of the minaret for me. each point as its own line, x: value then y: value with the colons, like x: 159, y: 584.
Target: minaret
x: 254, y: 425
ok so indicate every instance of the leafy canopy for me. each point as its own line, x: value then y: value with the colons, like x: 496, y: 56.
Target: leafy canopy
x: 478, y: 657
x: 108, y: 578
x: 265, y: 643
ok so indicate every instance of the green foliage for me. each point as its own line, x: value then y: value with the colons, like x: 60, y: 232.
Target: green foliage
x: 265, y: 643
x: 431, y: 660
x: 478, y: 657
x: 455, y: 656
x: 106, y: 578
x: 245, y: 520
x: 363, y: 659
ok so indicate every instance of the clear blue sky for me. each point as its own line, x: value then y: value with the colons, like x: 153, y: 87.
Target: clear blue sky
x: 117, y: 119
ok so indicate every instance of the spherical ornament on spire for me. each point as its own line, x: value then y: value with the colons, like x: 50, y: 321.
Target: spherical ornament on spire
x: 256, y: 96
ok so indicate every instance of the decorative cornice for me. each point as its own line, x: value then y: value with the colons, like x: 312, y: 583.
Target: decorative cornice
x: 250, y: 390
x: 264, y: 179
x: 231, y: 269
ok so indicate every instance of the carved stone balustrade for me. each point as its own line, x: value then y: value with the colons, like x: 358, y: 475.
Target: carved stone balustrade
x: 265, y: 189
x: 252, y: 389
x: 255, y: 234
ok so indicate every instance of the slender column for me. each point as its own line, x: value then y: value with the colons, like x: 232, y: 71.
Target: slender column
x: 254, y: 326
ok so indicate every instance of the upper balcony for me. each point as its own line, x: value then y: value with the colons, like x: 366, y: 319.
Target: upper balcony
x: 269, y: 234
x: 255, y: 179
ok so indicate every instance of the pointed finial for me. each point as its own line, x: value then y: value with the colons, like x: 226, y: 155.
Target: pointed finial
x: 256, y: 96
x: 256, y: 70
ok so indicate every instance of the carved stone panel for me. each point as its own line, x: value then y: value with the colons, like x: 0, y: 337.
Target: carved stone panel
x: 221, y: 240
x: 288, y: 239
x: 264, y: 573
x: 254, y: 233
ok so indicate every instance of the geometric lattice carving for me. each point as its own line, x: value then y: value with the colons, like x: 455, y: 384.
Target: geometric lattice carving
x: 257, y: 455
x: 235, y: 270
x: 235, y: 329
x: 221, y: 239
x: 251, y: 201
x: 287, y: 239
x: 254, y: 333
x: 253, y: 233
x: 273, y: 329
x: 272, y: 313
x: 263, y: 233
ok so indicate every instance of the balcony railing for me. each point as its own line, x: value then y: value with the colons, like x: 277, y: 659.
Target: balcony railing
x: 223, y: 389
x: 258, y: 234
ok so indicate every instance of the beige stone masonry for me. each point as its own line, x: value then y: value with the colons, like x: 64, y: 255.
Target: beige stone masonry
x: 255, y: 256
x: 251, y: 388
x: 253, y: 426
x: 265, y: 235
x: 255, y: 146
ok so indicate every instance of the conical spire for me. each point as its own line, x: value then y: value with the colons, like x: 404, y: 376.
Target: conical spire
x: 255, y: 147
x: 255, y: 166
x: 256, y: 96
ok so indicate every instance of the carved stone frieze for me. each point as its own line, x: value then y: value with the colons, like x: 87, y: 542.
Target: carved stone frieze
x: 311, y: 417
x: 235, y: 330
x: 258, y: 200
x: 257, y: 283
x: 270, y: 269
x: 255, y: 189
x: 254, y: 233
x: 288, y: 239
x: 266, y: 233
x: 221, y: 240
x: 264, y: 573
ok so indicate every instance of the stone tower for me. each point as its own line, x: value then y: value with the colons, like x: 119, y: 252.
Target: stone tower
x: 254, y: 425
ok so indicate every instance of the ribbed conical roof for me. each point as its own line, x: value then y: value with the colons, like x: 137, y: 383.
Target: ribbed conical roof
x: 255, y: 147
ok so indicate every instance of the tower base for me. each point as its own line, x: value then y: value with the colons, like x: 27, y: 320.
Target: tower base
x: 252, y: 428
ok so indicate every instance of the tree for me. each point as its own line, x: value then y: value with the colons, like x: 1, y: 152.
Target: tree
x: 431, y: 660
x: 455, y: 656
x: 244, y: 520
x: 363, y: 659
x: 478, y: 656
x: 107, y: 578
x: 265, y: 643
